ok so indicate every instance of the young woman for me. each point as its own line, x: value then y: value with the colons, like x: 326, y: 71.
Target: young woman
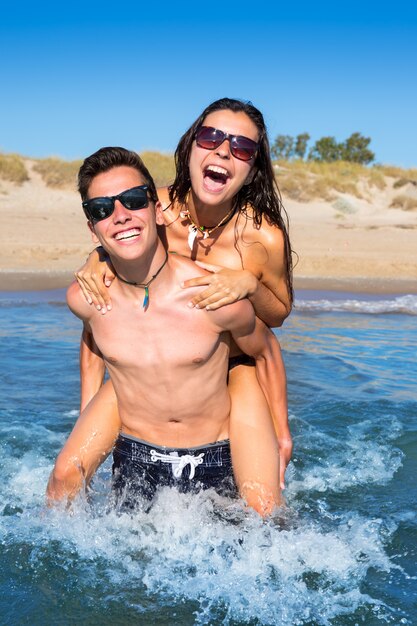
x: 224, y: 211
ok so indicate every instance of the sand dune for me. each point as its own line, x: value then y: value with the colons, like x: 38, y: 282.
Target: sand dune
x: 360, y: 244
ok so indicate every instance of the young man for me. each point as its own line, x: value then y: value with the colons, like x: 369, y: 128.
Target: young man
x: 167, y: 362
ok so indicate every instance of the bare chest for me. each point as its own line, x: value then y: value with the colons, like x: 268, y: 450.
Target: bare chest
x: 156, y: 340
x: 235, y: 246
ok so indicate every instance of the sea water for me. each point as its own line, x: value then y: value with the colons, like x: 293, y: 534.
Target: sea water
x: 342, y: 553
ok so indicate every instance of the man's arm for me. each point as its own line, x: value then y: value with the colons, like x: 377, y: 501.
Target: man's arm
x: 92, y: 368
x: 257, y: 340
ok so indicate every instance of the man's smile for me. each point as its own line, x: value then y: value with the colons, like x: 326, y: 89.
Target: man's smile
x: 124, y: 235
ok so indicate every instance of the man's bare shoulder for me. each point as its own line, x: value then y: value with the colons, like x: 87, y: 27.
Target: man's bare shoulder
x: 186, y: 266
x: 239, y: 315
x: 77, y: 304
x: 236, y: 315
x: 186, y: 269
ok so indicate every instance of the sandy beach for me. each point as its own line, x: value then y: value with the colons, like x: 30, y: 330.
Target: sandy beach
x: 347, y: 244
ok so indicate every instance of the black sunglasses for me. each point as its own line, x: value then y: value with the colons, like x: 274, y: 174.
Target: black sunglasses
x: 98, y: 209
x: 241, y: 147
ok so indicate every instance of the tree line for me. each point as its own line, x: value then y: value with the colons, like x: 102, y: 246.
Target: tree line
x: 326, y: 150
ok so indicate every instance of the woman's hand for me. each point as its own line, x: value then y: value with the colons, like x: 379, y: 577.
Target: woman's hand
x: 224, y: 286
x: 94, y: 278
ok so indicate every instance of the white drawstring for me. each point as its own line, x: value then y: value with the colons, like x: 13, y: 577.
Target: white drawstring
x: 178, y: 461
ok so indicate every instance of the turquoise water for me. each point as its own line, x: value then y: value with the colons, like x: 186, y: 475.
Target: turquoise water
x: 343, y: 553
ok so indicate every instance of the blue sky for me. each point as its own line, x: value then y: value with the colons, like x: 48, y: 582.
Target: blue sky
x: 77, y: 76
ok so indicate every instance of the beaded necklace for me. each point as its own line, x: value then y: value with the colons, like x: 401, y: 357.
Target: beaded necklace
x: 144, y: 286
x: 194, y: 228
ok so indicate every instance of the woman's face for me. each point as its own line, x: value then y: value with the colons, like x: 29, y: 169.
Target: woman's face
x: 216, y: 175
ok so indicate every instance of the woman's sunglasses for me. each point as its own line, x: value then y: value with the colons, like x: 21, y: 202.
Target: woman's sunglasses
x: 241, y: 147
x: 98, y: 209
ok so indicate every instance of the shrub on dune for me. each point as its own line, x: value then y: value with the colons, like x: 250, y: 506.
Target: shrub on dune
x: 12, y: 168
x: 161, y: 166
x: 58, y: 173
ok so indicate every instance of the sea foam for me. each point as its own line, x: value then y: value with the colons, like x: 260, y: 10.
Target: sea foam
x: 406, y: 305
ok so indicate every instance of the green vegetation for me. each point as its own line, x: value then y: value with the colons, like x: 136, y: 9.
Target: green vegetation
x: 12, y: 168
x: 57, y: 173
x: 286, y: 147
x: 404, y: 179
x: 344, y: 207
x: 161, y: 166
x: 325, y: 150
x: 298, y: 179
x: 402, y: 182
x: 397, y: 172
x: 304, y: 181
x: 61, y: 174
x: 404, y: 202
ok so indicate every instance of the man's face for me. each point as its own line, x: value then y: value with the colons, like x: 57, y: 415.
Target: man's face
x: 125, y: 234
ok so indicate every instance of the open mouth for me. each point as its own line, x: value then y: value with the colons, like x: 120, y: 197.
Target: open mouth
x: 215, y: 177
x: 126, y: 235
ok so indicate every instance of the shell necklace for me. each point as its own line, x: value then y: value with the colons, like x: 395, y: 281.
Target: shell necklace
x: 194, y: 228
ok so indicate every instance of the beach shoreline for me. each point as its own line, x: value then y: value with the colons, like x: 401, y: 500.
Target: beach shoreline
x: 34, y: 280
x: 352, y: 244
x: 44, y: 280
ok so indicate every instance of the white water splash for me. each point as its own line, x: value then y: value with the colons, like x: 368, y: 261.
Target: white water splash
x: 200, y: 551
x: 402, y: 304
x: 364, y: 457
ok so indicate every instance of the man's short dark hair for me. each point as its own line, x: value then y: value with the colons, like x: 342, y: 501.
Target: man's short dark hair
x: 106, y: 159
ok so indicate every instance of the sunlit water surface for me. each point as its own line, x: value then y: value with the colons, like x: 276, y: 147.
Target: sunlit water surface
x: 343, y: 553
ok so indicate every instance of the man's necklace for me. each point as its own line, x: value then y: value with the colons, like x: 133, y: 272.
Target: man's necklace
x: 194, y: 228
x: 144, y: 286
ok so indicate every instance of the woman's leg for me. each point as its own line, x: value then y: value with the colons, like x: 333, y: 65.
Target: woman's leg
x: 88, y: 445
x: 253, y: 442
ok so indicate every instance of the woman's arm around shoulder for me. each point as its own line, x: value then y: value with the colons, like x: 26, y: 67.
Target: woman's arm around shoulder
x: 77, y: 304
x: 272, y: 298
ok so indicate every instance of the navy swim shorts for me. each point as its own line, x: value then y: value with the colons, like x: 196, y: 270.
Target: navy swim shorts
x: 140, y: 468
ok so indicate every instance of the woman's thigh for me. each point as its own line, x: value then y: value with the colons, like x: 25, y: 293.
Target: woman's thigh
x: 95, y: 431
x: 253, y: 441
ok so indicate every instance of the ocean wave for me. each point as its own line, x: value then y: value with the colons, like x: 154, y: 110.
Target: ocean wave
x: 402, y: 304
x: 208, y: 560
x: 10, y: 299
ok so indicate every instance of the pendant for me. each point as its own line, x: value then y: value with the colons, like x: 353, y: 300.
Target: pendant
x: 192, y: 234
x: 146, y: 298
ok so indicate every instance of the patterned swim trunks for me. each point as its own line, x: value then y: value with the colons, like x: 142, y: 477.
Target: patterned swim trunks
x: 140, y: 468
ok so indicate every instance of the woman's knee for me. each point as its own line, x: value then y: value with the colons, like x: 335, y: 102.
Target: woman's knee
x: 260, y: 497
x: 68, y: 475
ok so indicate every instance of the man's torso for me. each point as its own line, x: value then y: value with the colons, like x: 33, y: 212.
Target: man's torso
x: 168, y: 365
